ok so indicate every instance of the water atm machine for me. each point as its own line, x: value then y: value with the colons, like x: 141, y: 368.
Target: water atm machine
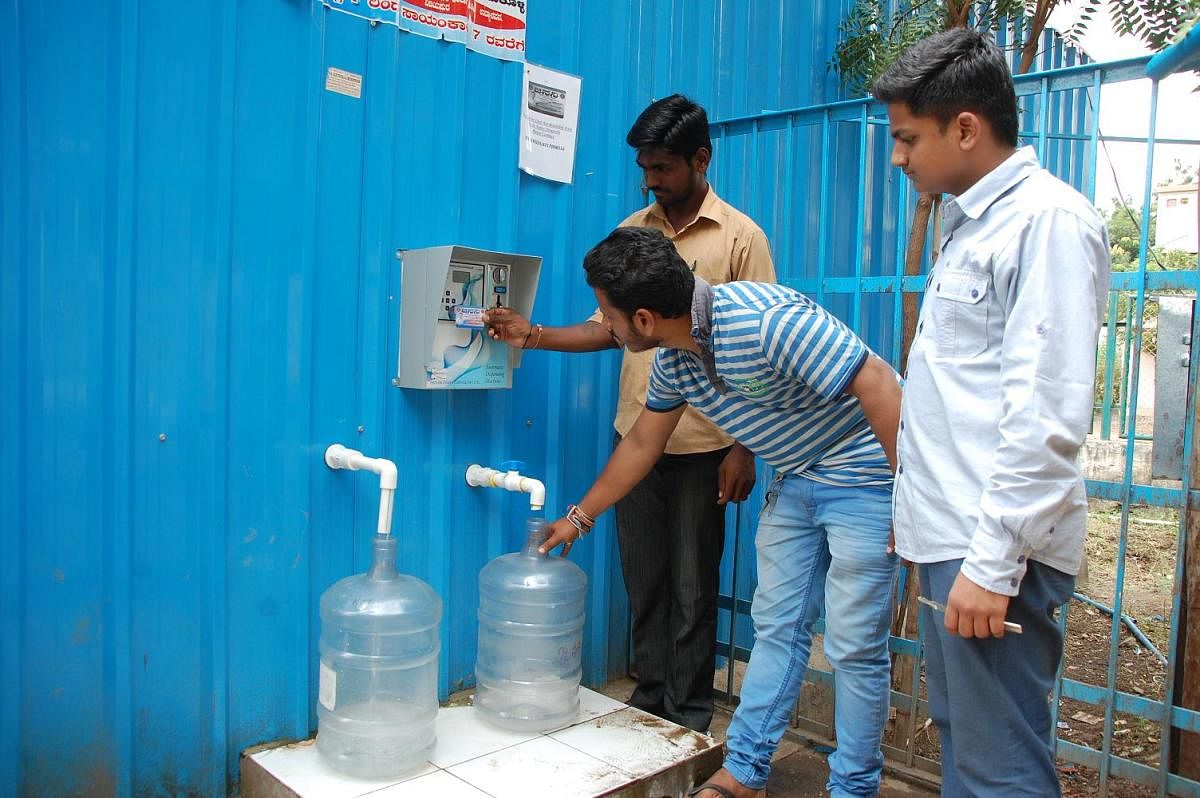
x: 443, y: 293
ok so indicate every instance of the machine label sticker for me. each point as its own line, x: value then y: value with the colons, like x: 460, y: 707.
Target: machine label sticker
x: 327, y: 691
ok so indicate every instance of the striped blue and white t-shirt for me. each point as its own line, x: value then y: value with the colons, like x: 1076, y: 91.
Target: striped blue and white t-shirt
x: 782, y: 364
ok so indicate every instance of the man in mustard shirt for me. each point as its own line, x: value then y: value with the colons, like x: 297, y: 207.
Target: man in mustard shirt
x: 671, y: 526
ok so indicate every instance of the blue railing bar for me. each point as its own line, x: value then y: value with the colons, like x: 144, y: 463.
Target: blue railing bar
x: 882, y: 284
x: 733, y: 591
x: 822, y: 209
x: 1044, y: 117
x: 915, y: 284
x: 1080, y: 75
x: 1147, y: 495
x: 1130, y: 704
x: 914, y: 702
x: 754, y: 166
x: 1110, y: 358
x: 1056, y: 698
x: 860, y: 223
x: 812, y: 118
x: 1130, y: 624
x: 1126, y: 355
x: 742, y: 607
x: 882, y: 121
x: 1140, y: 140
x: 851, y: 104
x: 1179, y: 57
x: 1155, y: 281
x: 1131, y: 412
x: 1126, y: 769
x: 1113, y: 71
x: 901, y: 216
x: 1093, y: 153
x: 1028, y: 134
x: 789, y: 155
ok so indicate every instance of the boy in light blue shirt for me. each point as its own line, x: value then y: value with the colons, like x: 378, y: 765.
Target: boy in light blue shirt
x: 998, y: 398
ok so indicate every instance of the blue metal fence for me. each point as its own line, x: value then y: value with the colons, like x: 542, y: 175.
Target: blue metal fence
x: 839, y: 229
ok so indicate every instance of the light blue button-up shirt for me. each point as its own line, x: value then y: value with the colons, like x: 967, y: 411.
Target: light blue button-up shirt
x: 999, y: 391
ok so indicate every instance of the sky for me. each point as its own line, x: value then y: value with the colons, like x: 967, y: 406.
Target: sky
x: 1125, y: 111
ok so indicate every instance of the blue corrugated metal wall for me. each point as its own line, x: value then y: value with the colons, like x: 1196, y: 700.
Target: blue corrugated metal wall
x: 198, y: 273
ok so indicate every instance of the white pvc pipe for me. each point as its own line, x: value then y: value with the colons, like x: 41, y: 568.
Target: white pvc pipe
x: 482, y: 477
x: 339, y: 456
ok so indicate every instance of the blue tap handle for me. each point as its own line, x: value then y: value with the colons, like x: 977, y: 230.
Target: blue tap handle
x: 512, y: 465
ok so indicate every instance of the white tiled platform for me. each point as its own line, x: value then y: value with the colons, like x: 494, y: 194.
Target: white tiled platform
x: 610, y: 750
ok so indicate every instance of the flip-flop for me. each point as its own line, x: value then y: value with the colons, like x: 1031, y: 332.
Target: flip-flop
x: 717, y: 788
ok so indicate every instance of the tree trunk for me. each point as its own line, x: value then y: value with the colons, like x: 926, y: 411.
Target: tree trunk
x: 1037, y: 24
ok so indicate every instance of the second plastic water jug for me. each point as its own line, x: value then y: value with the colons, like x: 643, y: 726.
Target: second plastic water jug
x: 379, y: 670
x: 530, y: 636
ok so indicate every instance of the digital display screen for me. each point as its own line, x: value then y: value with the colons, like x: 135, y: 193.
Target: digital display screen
x: 459, y: 276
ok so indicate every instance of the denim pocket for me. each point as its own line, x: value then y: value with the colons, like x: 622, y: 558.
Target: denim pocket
x: 960, y: 311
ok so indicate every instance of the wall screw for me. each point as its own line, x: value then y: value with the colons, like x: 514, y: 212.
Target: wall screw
x: 162, y: 436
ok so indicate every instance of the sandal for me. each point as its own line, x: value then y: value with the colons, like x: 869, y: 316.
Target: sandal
x: 708, y: 785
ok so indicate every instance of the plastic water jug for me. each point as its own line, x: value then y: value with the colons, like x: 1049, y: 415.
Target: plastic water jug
x: 530, y: 635
x: 379, y: 670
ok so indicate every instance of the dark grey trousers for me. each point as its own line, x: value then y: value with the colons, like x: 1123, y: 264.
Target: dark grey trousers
x: 671, y: 533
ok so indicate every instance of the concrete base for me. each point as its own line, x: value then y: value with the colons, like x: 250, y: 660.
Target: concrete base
x: 610, y: 750
x: 1105, y: 460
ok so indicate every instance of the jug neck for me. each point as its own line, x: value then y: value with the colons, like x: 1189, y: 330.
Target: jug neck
x: 537, y: 532
x: 383, y: 563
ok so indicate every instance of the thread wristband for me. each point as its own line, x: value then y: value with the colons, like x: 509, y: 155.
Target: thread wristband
x: 536, y: 341
x: 582, y: 522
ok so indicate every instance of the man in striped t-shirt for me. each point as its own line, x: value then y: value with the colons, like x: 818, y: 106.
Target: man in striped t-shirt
x: 799, y: 389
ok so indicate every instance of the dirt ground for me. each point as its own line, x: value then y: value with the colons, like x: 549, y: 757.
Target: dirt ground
x: 1149, y: 577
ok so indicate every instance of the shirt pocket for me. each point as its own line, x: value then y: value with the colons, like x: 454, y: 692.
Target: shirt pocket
x: 961, y: 312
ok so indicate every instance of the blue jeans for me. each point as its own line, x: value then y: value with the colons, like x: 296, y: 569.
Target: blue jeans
x: 819, y: 544
x: 989, y: 697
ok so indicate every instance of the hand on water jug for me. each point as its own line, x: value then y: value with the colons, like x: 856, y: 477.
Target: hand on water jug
x: 562, y: 533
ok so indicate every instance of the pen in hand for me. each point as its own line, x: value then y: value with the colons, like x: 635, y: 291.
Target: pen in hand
x: 1009, y: 626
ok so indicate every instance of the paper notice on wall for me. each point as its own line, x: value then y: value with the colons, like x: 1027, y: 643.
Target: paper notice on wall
x: 437, y: 19
x: 498, y: 28
x: 549, y: 116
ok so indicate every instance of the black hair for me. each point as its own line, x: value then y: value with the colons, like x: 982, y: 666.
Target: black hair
x: 675, y: 124
x: 951, y: 72
x: 637, y: 267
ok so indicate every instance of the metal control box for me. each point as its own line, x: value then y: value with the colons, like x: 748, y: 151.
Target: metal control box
x: 443, y: 293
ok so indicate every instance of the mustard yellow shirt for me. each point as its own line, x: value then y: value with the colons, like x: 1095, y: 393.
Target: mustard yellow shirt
x: 721, y: 244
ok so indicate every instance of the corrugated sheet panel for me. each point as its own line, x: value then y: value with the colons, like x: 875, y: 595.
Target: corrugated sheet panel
x: 198, y: 279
